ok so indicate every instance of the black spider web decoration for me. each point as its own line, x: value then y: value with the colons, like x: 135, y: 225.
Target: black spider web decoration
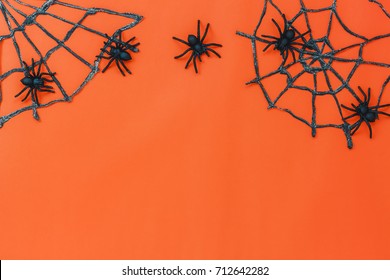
x: 312, y: 49
x: 20, y: 17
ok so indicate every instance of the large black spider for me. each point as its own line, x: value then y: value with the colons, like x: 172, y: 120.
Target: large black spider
x: 286, y: 41
x: 35, y: 82
x: 119, y: 52
x: 198, y: 48
x: 366, y: 113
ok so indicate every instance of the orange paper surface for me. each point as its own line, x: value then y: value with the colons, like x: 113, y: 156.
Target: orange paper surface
x: 167, y: 164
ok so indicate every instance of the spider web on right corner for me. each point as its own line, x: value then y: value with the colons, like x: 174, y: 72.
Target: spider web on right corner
x: 381, y: 6
x: 326, y: 56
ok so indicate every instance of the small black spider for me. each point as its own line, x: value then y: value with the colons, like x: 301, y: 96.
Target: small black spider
x: 366, y: 113
x: 198, y: 48
x: 35, y: 82
x: 119, y: 52
x: 286, y: 41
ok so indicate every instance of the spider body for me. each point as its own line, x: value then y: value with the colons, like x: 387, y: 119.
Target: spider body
x: 32, y: 82
x: 35, y: 82
x: 286, y: 42
x: 119, y: 52
x: 197, y: 46
x: 366, y: 113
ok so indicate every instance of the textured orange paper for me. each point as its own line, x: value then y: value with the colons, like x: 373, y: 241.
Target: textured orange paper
x: 166, y: 164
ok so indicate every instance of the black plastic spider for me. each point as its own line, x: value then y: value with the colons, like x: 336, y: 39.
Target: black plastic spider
x: 119, y: 52
x: 366, y: 113
x: 286, y: 41
x: 198, y: 48
x: 35, y: 82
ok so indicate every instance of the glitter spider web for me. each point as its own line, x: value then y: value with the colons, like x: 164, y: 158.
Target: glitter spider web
x: 22, y: 19
x: 381, y: 6
x: 319, y: 50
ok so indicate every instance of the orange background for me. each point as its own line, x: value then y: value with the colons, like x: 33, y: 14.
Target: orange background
x: 166, y: 164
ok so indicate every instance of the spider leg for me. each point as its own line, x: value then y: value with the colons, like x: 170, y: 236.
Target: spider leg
x: 196, y: 68
x: 369, y: 126
x: 183, y: 54
x: 120, y: 41
x: 364, y: 94
x: 47, y: 90
x: 348, y: 108
x: 293, y: 54
x: 383, y: 113
x: 47, y: 80
x: 379, y: 106
x: 358, y: 124
x: 25, y: 66
x: 285, y: 57
x: 27, y: 95
x: 33, y: 67
x: 119, y: 67
x: 47, y: 74
x: 189, y: 61
x: 128, y: 41
x: 105, y: 51
x: 214, y: 52
x: 291, y: 47
x: 181, y: 41
x: 39, y: 69
x: 270, y: 37
x: 124, y: 66
x: 34, y: 97
x: 199, y: 57
x: 46, y: 86
x: 301, y: 36
x: 118, y: 46
x: 108, y: 65
x: 287, y: 54
x: 102, y: 56
x: 277, y: 25
x: 266, y: 48
x: 263, y: 40
x: 213, y: 45
x: 128, y: 46
x: 351, y: 116
x: 285, y: 22
x: 23, y: 90
x: 133, y: 48
x: 198, y: 29
x: 205, y: 33
x: 297, y: 44
x: 207, y: 53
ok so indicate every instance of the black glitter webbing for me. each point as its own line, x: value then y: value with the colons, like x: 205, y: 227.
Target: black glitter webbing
x: 18, y: 23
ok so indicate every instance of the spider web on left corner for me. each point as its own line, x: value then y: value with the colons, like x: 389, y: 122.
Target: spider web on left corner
x: 53, y: 35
